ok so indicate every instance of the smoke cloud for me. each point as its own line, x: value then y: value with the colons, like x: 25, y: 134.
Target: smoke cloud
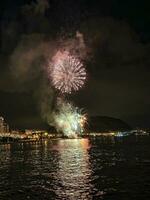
x: 28, y: 58
x: 28, y: 66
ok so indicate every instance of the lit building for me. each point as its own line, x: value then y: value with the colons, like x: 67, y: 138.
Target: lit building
x: 36, y: 134
x: 4, y: 127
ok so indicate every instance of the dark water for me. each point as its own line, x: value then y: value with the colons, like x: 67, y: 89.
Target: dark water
x: 102, y: 168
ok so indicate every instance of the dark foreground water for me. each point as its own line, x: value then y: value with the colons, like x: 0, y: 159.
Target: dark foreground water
x: 101, y: 168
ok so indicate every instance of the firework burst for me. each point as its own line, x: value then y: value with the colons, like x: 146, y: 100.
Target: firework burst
x: 69, y: 120
x: 67, y: 72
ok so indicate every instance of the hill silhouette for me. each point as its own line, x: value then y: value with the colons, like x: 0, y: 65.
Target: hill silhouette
x: 103, y: 123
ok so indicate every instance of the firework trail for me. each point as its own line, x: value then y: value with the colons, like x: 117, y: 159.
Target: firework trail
x: 67, y: 73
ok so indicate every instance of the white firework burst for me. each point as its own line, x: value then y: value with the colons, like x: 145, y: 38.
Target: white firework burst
x: 67, y: 73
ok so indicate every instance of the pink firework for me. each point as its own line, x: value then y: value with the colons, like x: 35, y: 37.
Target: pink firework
x: 67, y: 72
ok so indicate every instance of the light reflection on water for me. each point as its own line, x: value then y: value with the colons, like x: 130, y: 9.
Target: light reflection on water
x: 84, y: 169
x: 74, y: 170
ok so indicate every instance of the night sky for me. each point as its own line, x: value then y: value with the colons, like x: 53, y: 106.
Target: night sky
x: 117, y: 36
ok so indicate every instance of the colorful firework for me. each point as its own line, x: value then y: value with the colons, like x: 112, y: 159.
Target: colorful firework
x: 69, y: 120
x: 67, y: 72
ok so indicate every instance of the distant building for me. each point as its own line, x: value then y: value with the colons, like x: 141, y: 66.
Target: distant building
x: 36, y: 134
x: 4, y: 127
